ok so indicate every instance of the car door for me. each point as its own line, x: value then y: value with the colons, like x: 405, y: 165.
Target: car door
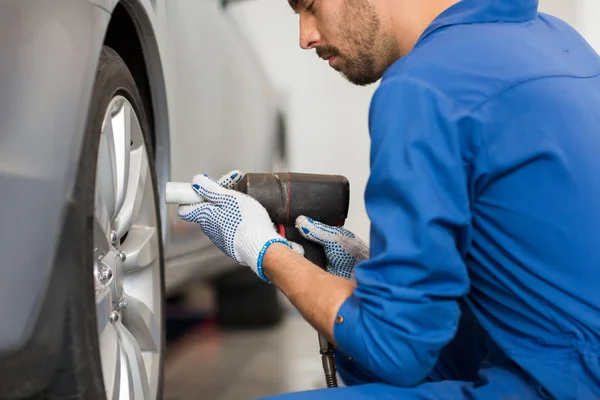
x: 195, y: 45
x: 223, y: 114
x: 250, y: 109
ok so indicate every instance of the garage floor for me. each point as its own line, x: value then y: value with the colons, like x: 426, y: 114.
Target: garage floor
x: 211, y: 364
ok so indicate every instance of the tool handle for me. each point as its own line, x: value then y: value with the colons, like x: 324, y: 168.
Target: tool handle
x: 314, y: 252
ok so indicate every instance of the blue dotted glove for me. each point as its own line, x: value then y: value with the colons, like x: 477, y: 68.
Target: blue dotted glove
x: 342, y: 248
x: 234, y: 222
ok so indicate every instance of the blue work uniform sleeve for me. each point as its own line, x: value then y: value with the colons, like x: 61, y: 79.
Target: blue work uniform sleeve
x: 404, y: 308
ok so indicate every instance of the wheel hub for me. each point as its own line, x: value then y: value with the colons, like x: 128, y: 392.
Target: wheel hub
x: 110, y: 273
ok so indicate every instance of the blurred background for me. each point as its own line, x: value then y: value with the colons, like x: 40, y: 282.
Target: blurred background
x: 327, y: 132
x: 102, y: 103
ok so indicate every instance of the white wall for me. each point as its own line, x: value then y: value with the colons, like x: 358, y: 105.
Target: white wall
x: 588, y: 18
x: 327, y: 115
x: 564, y: 9
x: 584, y: 15
x: 325, y: 112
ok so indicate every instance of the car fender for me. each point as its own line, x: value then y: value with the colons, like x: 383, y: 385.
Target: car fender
x: 49, y: 57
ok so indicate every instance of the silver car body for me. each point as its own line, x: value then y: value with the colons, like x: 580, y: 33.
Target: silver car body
x: 213, y: 110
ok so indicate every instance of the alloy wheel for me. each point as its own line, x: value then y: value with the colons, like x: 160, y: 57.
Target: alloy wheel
x: 127, y: 276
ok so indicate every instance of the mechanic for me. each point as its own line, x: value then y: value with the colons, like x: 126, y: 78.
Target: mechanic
x: 481, y: 277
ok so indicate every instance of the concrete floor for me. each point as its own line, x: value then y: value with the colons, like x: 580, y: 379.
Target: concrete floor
x: 209, y: 364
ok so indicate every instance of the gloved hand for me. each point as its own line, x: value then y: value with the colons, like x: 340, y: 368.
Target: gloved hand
x: 234, y: 222
x: 230, y: 178
x: 343, y: 249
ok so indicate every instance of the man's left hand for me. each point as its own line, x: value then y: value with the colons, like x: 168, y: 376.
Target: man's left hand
x: 343, y: 248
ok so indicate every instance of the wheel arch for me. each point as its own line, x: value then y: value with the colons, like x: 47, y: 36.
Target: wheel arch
x: 130, y: 33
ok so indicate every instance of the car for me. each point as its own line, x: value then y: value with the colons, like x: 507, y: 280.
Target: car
x: 102, y: 103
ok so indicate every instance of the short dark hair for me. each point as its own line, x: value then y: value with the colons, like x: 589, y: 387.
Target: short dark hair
x: 293, y: 3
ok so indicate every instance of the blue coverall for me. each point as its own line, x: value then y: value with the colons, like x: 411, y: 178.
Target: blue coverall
x: 484, y: 199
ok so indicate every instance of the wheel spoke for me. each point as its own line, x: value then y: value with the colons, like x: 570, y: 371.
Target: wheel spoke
x: 135, y: 130
x: 134, y: 378
x: 140, y: 248
x: 111, y: 367
x: 106, y: 174
x: 103, y: 307
x: 142, y: 324
x: 101, y: 226
x: 126, y: 389
x: 121, y: 131
x: 139, y: 170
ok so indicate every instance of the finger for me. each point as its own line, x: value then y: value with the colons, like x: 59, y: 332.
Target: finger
x: 355, y: 247
x: 298, y: 248
x: 230, y: 178
x: 315, y: 231
x: 208, y: 188
x: 347, y: 233
x: 193, y: 212
x: 317, y: 226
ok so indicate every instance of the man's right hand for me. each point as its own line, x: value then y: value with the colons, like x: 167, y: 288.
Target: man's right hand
x: 343, y: 249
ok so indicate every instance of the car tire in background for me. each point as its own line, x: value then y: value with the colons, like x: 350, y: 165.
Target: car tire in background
x: 114, y: 335
x: 244, y: 301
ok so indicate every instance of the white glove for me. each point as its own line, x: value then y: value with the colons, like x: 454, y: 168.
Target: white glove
x: 234, y: 222
x: 230, y: 178
x: 343, y: 249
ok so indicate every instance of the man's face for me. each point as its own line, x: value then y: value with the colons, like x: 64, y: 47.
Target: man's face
x: 349, y: 34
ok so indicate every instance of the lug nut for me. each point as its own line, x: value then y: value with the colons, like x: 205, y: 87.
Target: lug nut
x: 104, y: 274
x: 122, y: 304
x: 114, y: 317
x: 122, y: 256
x: 113, y: 237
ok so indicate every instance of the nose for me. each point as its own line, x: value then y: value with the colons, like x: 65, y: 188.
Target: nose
x: 309, y: 34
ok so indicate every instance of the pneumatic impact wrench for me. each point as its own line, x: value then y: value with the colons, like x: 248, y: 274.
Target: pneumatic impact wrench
x: 286, y: 196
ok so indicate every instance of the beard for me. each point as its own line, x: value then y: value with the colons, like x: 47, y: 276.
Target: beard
x: 375, y: 51
x: 359, y: 70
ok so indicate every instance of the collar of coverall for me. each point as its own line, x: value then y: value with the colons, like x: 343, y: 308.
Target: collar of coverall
x: 479, y: 11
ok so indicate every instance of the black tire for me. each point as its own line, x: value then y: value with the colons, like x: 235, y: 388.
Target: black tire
x: 80, y: 373
x: 244, y: 301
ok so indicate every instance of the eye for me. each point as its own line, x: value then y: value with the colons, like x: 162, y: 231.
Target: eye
x: 311, y: 8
